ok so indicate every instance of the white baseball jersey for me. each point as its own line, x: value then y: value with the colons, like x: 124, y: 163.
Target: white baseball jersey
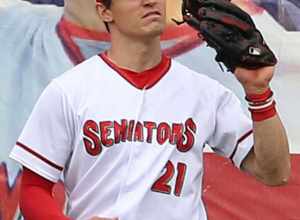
x: 130, y: 145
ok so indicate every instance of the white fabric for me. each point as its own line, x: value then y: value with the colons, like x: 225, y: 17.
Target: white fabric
x: 230, y: 126
x: 52, y: 122
x: 117, y: 182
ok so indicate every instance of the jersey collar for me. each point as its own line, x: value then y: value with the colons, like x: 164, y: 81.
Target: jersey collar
x: 141, y: 80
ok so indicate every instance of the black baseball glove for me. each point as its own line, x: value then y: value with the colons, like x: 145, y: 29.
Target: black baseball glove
x: 230, y: 31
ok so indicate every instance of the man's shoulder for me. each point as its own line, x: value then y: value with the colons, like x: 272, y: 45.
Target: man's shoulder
x: 188, y: 74
x: 83, y: 72
x: 199, y: 83
x: 78, y: 82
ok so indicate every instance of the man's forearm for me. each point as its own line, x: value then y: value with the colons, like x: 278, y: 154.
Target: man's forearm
x: 271, y: 151
x: 269, y: 161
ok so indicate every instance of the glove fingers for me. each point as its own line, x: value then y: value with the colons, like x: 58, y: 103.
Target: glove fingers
x: 236, y: 50
x: 223, y: 38
x: 224, y: 18
x: 228, y: 8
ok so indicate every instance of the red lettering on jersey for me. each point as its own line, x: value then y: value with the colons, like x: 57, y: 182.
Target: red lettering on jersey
x: 138, y: 132
x: 188, y: 137
x: 163, y: 133
x: 150, y: 126
x: 91, y: 138
x: 162, y: 184
x: 181, y: 169
x: 177, y: 133
x: 105, y: 129
x: 130, y: 130
x: 120, y: 131
x: 97, y: 135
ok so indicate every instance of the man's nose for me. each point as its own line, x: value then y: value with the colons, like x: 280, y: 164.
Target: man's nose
x: 149, y: 2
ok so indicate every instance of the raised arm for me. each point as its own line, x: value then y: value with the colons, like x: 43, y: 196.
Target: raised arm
x: 269, y: 161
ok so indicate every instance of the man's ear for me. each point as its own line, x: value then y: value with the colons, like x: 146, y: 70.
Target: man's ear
x: 103, y: 12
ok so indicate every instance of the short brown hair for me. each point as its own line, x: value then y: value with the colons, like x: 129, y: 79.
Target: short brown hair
x: 106, y: 3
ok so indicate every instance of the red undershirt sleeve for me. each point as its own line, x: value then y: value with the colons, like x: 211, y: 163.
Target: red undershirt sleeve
x: 36, y: 200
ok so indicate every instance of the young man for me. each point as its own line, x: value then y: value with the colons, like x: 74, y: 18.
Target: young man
x: 37, y: 43
x: 36, y: 37
x: 127, y: 129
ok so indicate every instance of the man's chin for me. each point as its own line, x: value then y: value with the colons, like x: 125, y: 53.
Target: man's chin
x: 155, y: 31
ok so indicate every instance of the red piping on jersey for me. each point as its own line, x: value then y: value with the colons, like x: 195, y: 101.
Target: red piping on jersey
x: 28, y: 149
x: 238, y: 142
x: 145, y: 79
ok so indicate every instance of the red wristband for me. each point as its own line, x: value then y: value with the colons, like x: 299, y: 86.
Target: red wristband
x: 261, y: 106
x: 263, y: 114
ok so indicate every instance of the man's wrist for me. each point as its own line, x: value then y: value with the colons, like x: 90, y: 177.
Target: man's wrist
x: 252, y: 90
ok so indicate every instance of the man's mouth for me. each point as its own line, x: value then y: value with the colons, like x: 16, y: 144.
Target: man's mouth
x: 152, y: 13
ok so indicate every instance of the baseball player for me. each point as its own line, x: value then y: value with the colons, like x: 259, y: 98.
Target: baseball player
x: 126, y: 129
x: 37, y: 45
x: 36, y: 37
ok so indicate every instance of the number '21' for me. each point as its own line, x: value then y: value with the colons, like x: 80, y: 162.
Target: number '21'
x: 162, y: 184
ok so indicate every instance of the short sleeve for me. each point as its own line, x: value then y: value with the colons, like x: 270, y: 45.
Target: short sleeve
x: 233, y: 132
x: 45, y: 143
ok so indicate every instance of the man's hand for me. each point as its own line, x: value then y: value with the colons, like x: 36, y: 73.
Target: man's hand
x: 255, y: 81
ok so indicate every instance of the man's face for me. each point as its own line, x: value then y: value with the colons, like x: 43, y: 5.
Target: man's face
x: 139, y: 18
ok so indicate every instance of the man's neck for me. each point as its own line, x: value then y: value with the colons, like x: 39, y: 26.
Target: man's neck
x: 136, y: 55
